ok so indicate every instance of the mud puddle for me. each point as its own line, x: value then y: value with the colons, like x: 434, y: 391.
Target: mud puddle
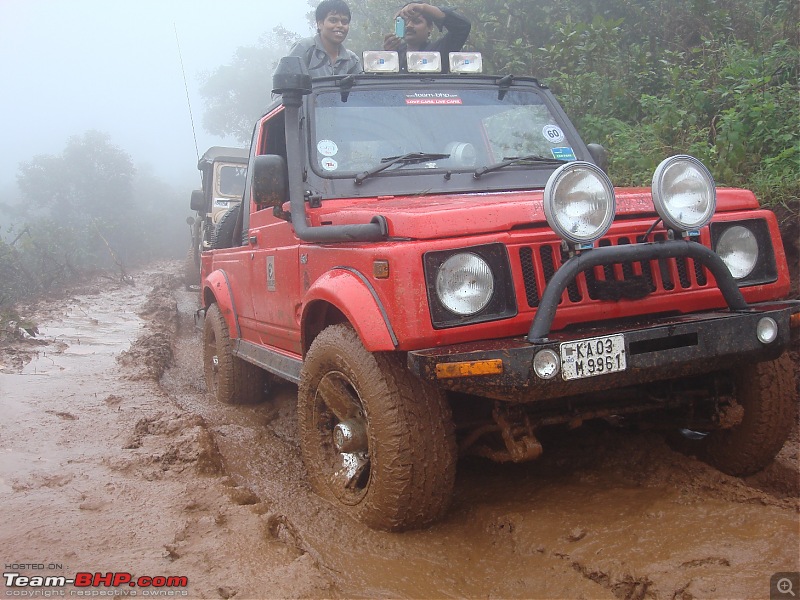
x: 108, y: 465
x: 89, y: 329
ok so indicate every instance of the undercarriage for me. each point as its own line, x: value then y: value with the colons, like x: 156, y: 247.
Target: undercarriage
x: 506, y: 432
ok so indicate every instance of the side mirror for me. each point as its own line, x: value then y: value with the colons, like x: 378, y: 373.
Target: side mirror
x: 270, y: 180
x: 198, y: 201
x: 599, y: 156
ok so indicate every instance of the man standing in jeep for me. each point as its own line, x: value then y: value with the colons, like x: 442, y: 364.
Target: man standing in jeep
x: 325, y: 54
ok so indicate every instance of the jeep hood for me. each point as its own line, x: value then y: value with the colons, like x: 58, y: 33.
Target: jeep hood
x: 441, y: 216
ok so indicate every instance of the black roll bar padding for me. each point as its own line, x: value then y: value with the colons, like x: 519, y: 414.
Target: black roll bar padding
x: 630, y: 253
x: 293, y: 86
x: 366, y: 232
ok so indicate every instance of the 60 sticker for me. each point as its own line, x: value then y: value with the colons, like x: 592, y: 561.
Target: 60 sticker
x: 553, y: 133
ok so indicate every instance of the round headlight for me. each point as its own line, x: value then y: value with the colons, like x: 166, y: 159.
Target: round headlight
x: 684, y: 193
x: 738, y: 249
x: 579, y: 202
x: 464, y: 284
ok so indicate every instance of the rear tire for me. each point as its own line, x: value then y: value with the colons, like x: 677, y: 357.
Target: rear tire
x: 191, y: 270
x: 230, y: 379
x: 767, y: 393
x: 401, y: 474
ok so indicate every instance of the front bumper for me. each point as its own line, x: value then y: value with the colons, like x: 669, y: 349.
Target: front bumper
x: 667, y: 348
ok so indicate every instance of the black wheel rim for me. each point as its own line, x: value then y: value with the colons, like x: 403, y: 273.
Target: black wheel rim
x: 347, y: 471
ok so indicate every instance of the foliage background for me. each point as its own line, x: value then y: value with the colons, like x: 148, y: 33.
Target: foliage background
x: 82, y: 211
x: 717, y: 79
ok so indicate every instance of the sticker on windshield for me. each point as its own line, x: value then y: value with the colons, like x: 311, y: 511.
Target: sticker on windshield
x: 553, y: 133
x: 327, y: 147
x: 563, y: 153
x: 329, y: 164
x: 432, y: 98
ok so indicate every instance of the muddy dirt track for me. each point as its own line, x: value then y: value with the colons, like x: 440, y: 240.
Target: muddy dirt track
x: 113, y: 459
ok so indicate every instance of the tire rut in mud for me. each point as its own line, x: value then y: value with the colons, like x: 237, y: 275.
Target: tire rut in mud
x: 174, y: 443
x: 151, y: 354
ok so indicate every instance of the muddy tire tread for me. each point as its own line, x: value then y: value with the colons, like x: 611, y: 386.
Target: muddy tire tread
x: 238, y: 382
x: 191, y: 270
x: 432, y: 443
x: 767, y: 392
x: 412, y: 486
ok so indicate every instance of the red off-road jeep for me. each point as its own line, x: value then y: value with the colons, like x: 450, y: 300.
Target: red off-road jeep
x: 443, y: 267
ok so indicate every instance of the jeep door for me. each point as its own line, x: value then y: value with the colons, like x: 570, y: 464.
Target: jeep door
x: 274, y: 272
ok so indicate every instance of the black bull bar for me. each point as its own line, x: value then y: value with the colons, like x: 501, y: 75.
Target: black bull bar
x: 546, y: 311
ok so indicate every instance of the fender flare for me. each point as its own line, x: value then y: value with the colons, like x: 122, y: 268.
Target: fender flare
x: 218, y: 286
x: 352, y: 293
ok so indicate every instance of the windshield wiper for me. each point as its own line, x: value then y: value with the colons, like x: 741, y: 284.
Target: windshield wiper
x: 404, y: 159
x: 529, y: 159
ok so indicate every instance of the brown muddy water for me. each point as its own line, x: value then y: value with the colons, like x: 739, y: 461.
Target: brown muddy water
x: 113, y: 458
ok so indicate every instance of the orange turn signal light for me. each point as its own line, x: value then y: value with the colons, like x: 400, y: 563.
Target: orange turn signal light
x: 469, y: 368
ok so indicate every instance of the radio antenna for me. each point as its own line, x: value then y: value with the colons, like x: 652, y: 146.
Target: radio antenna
x: 186, y: 85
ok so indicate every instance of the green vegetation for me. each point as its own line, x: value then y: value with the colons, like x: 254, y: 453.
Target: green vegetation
x: 84, y: 210
x: 713, y: 78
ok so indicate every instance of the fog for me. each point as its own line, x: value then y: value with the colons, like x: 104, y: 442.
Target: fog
x: 68, y: 66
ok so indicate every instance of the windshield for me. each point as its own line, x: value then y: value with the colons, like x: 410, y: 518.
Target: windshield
x: 230, y: 180
x: 471, y: 127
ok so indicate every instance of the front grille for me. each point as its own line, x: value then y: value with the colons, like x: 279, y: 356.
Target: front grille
x: 612, y: 282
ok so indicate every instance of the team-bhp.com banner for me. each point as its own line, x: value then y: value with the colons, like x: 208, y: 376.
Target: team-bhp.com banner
x: 87, y: 584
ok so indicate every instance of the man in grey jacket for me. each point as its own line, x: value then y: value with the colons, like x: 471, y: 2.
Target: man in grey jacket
x: 325, y: 54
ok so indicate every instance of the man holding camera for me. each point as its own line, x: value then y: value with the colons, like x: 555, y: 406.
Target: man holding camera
x: 418, y: 20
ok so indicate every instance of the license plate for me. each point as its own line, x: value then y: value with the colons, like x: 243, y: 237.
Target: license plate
x: 591, y: 357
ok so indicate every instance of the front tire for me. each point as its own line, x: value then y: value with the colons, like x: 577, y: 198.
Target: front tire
x: 766, y: 392
x: 229, y: 378
x: 375, y: 439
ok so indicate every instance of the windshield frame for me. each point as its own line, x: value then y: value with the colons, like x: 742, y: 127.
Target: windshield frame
x: 415, y: 179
